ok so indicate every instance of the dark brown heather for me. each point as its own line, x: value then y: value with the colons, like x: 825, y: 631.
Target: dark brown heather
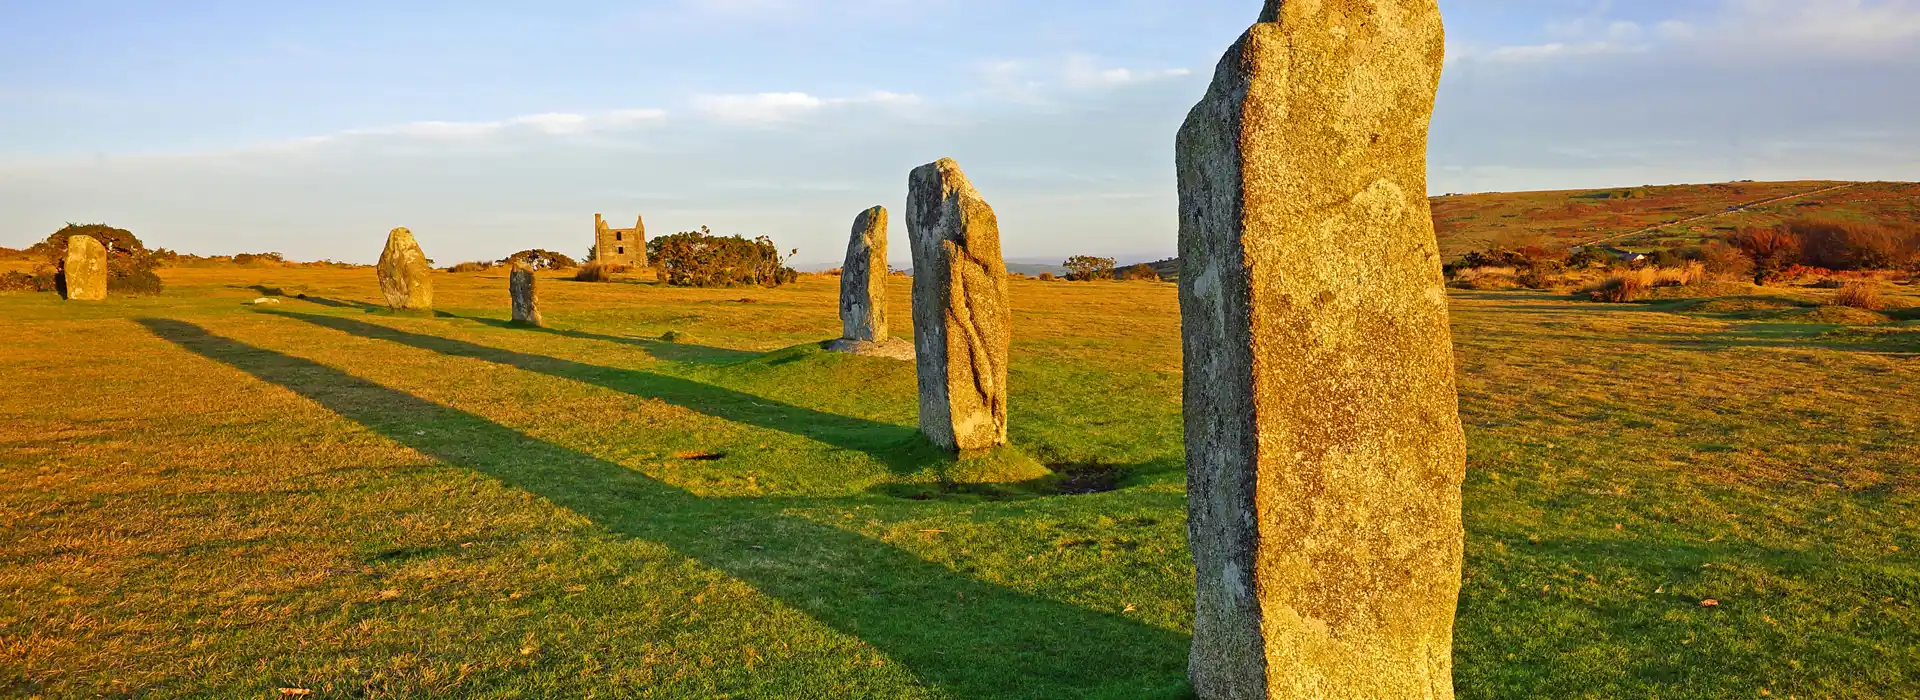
x: 960, y: 320
x: 1324, y: 447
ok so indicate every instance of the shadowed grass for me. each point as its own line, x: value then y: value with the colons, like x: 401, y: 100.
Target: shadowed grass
x: 954, y: 632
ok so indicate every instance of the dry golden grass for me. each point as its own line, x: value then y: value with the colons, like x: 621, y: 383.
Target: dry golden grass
x: 1860, y: 294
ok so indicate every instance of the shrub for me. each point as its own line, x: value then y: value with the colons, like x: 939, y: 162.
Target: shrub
x: 1535, y: 277
x: 1521, y: 256
x: 541, y: 260
x: 1853, y: 246
x: 1487, y: 278
x: 1860, y: 294
x: 1086, y: 268
x: 1625, y: 286
x: 256, y: 258
x: 1726, y: 260
x: 1047, y: 277
x: 17, y: 281
x: 129, y: 264
x: 704, y: 259
x: 1141, y: 272
x: 1771, y: 249
x: 471, y: 267
x: 597, y: 272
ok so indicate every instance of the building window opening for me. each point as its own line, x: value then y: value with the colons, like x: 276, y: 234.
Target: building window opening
x: 622, y: 250
x: 619, y: 236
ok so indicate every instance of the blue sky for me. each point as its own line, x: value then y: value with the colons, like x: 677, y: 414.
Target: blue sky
x: 489, y: 127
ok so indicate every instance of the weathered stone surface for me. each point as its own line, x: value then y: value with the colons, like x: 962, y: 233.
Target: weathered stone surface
x: 960, y: 319
x: 86, y: 269
x: 404, y: 273
x: 1324, y: 447
x: 863, y: 279
x: 526, y: 301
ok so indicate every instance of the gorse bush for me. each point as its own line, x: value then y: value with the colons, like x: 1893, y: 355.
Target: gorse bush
x: 541, y: 260
x: 258, y: 258
x: 471, y: 267
x: 130, y: 266
x: 1724, y: 259
x: 17, y: 281
x: 1141, y: 272
x: 703, y: 259
x: 1086, y: 268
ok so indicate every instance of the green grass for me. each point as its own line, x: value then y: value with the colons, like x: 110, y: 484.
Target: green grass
x: 203, y: 498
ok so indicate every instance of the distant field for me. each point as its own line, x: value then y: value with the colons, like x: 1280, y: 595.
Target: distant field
x: 1473, y: 222
x: 204, y: 498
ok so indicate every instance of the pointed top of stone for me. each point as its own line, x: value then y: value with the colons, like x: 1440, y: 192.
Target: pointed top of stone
x: 1271, y: 13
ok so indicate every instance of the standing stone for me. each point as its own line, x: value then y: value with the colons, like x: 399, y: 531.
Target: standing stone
x: 526, y: 302
x: 863, y: 279
x: 1324, y: 446
x: 404, y: 274
x: 863, y: 292
x: 960, y: 319
x: 86, y: 269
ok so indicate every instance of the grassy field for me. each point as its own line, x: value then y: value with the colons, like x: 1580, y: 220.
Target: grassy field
x: 206, y: 498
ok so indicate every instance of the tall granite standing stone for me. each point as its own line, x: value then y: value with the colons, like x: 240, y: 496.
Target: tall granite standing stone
x: 863, y: 292
x: 85, y: 272
x: 404, y: 273
x: 1324, y: 446
x: 526, y: 301
x: 960, y: 319
x: 863, y: 279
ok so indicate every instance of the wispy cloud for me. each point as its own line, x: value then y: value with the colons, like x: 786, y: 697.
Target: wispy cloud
x: 551, y: 123
x: 777, y: 107
x: 1043, y: 80
x: 1803, y: 28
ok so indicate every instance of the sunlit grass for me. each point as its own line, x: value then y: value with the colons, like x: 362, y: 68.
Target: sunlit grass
x: 202, y: 497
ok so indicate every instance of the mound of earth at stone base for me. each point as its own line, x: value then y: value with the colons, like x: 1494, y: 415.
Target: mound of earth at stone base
x: 891, y: 348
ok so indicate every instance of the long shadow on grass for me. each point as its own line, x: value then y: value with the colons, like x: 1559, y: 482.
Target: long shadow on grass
x: 898, y: 446
x: 660, y: 350
x: 971, y: 638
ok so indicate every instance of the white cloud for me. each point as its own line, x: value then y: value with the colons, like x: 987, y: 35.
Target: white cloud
x: 551, y: 123
x: 777, y: 107
x: 1828, y: 26
x: 1734, y: 29
x: 1040, y: 81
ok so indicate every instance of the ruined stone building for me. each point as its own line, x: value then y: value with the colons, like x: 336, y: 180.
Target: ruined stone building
x: 620, y: 246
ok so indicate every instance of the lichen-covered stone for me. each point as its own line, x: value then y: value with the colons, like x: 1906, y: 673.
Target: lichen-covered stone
x: 961, y: 324
x: 526, y: 301
x: 85, y: 271
x: 404, y: 273
x: 1324, y: 447
x: 863, y: 279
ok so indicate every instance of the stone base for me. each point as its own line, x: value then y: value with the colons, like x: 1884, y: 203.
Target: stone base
x: 891, y: 348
